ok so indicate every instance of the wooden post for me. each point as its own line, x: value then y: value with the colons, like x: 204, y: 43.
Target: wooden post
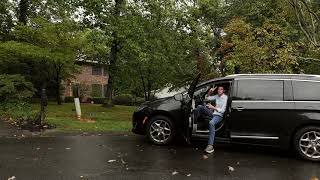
x: 77, y: 104
x: 43, y: 103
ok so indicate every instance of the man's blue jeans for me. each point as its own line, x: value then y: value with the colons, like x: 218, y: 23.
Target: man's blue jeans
x: 204, y: 111
x: 212, y: 130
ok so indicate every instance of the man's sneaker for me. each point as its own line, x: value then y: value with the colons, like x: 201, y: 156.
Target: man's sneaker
x: 209, y: 149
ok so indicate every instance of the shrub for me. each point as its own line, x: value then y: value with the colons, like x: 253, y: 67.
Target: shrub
x: 14, y: 88
x: 124, y: 99
x: 20, y: 115
x: 69, y: 99
x: 98, y: 100
x: 138, y: 101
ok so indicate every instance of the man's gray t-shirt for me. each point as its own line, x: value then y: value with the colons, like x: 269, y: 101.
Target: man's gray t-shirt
x: 221, y: 103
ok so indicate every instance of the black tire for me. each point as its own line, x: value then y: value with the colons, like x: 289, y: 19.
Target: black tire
x: 165, y: 121
x: 301, y: 135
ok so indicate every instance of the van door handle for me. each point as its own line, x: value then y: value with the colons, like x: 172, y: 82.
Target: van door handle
x: 239, y: 108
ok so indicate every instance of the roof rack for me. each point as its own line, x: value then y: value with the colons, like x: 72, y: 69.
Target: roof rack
x: 305, y: 75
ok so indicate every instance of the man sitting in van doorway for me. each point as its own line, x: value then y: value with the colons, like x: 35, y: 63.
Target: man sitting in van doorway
x: 214, y: 112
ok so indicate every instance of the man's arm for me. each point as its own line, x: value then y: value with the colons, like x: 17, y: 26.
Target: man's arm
x: 210, y: 96
x: 221, y: 109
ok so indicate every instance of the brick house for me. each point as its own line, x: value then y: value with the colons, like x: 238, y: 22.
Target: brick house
x: 92, y: 80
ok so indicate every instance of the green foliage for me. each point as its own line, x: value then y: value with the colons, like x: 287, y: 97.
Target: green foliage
x: 44, y: 52
x: 264, y: 49
x: 98, y: 100
x: 16, y: 110
x: 14, y: 88
x: 148, y: 44
x: 19, y: 114
x: 124, y: 99
x: 6, y: 20
x: 69, y: 99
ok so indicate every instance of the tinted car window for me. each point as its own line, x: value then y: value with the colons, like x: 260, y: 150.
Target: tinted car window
x: 306, y: 91
x: 267, y: 90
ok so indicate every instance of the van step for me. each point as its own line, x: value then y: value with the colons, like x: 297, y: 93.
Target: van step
x: 205, y: 136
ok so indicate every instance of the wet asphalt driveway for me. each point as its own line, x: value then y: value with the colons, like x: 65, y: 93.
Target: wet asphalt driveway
x: 131, y: 157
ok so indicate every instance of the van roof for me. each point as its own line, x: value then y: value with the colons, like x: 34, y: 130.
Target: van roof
x: 267, y: 76
x: 277, y: 76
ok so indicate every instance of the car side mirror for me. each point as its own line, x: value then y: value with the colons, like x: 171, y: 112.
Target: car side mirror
x: 178, y: 97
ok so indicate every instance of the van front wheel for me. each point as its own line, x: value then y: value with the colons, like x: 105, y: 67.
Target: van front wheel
x: 160, y: 130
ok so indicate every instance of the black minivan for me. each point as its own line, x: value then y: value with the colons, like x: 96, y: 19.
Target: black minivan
x: 278, y: 110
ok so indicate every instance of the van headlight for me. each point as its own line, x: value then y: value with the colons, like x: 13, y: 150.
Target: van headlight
x: 140, y: 108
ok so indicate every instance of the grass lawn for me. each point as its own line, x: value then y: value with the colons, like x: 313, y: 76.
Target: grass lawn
x: 117, y: 118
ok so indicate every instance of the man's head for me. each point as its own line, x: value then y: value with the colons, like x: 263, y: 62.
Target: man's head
x: 220, y: 90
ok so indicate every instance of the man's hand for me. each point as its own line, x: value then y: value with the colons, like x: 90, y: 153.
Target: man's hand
x: 211, y: 107
x: 212, y: 90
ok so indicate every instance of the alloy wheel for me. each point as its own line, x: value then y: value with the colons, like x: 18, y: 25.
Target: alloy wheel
x: 310, y: 144
x: 160, y: 131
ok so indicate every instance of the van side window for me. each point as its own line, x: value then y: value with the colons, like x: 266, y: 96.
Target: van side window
x: 306, y: 91
x: 259, y: 90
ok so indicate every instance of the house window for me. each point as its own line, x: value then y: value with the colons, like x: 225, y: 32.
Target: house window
x: 96, y: 70
x: 96, y: 90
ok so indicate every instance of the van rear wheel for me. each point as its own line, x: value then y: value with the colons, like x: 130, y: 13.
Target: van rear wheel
x: 307, y: 143
x: 160, y: 130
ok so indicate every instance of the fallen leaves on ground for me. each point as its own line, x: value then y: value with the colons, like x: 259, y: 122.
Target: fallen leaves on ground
x: 174, y: 173
x: 204, y: 157
x: 173, y: 151
x: 122, y: 161
x: 230, y: 168
x: 12, y: 178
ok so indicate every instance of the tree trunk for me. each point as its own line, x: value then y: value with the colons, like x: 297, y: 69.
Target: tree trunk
x: 200, y: 63
x: 23, y: 11
x: 58, y: 91
x: 149, y: 84
x: 143, y: 84
x: 113, y: 57
x: 58, y: 69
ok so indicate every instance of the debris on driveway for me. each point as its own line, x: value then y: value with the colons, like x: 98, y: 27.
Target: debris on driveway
x: 174, y: 173
x: 122, y: 161
x: 204, y: 157
x: 12, y: 178
x: 231, y: 168
x: 112, y: 160
x: 173, y: 151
